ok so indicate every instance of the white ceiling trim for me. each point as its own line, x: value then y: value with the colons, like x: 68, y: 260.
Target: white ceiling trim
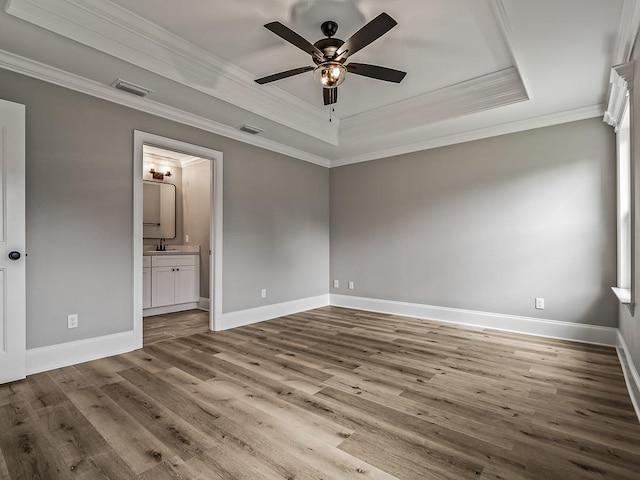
x: 161, y: 161
x: 620, y: 85
x: 478, y: 94
x: 47, y: 73
x: 494, y: 131
x: 168, y: 161
x: 114, y: 30
x: 31, y: 68
x: 500, y: 13
x: 628, y: 30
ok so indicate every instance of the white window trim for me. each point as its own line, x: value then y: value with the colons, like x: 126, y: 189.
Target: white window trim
x: 619, y: 115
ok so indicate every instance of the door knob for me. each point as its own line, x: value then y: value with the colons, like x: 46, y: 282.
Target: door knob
x: 14, y: 255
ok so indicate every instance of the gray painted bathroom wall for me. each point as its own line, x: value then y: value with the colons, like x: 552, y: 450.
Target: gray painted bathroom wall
x: 196, y: 188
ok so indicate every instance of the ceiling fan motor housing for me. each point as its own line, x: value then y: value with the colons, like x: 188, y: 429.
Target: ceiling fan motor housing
x: 328, y: 46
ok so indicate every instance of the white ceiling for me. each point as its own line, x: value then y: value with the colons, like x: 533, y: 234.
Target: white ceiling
x: 475, y: 68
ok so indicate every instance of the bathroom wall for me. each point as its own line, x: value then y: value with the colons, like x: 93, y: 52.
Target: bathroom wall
x: 196, y: 188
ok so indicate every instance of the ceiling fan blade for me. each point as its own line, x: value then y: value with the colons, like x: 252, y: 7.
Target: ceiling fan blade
x: 281, y: 75
x: 367, y: 34
x: 330, y: 95
x: 376, y: 71
x: 293, y: 38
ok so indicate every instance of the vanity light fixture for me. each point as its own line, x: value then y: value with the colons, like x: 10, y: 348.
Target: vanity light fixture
x: 159, y: 175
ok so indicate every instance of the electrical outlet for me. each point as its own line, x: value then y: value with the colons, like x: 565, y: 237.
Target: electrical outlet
x: 540, y: 303
x: 72, y: 320
x: 264, y: 293
x: 336, y: 284
x: 186, y: 238
x: 351, y: 285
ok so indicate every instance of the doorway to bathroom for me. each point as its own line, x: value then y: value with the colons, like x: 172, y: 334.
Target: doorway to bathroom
x: 177, y: 230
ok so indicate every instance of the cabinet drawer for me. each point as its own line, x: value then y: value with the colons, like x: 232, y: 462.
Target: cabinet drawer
x: 146, y: 261
x: 173, y: 260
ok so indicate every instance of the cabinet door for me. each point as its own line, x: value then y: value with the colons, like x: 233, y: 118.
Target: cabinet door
x: 146, y: 287
x: 162, y: 286
x: 187, y: 284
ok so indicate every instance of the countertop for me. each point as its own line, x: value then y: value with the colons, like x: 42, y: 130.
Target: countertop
x: 172, y: 250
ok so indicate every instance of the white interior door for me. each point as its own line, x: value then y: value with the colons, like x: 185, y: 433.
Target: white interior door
x: 12, y: 242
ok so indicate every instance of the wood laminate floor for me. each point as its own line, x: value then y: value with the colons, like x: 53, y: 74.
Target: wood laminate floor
x: 169, y: 326
x: 328, y: 394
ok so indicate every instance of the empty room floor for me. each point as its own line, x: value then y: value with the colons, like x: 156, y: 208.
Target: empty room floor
x: 327, y: 394
x: 159, y: 328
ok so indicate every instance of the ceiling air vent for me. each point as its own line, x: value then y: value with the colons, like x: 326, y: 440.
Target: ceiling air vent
x: 131, y: 88
x: 251, y: 129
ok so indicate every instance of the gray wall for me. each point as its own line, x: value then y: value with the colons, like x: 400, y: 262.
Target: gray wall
x: 630, y: 326
x: 196, y: 181
x: 487, y: 225
x: 80, y: 214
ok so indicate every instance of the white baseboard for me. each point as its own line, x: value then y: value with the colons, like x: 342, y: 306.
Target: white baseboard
x: 64, y: 354
x: 204, y: 304
x: 148, y: 312
x: 631, y: 376
x: 578, y: 332
x: 268, y: 312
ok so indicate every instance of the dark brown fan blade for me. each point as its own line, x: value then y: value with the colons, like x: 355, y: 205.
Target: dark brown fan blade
x: 367, y: 34
x: 376, y: 71
x: 330, y: 95
x: 293, y: 38
x: 281, y: 75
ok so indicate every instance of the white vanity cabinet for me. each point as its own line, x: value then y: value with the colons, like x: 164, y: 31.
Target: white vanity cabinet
x: 174, y: 280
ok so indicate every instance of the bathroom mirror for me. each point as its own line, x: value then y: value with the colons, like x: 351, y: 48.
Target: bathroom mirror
x: 159, y: 210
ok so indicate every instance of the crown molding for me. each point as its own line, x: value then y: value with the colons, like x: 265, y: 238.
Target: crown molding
x: 40, y: 71
x: 47, y: 73
x: 500, y: 13
x: 162, y: 161
x: 627, y: 31
x: 506, y: 128
x: 620, y: 85
x: 116, y: 31
x: 478, y: 94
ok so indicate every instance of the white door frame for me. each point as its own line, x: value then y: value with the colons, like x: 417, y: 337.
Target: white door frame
x: 12, y: 239
x: 215, y: 273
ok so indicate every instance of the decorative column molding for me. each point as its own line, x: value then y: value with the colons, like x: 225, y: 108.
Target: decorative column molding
x: 620, y: 87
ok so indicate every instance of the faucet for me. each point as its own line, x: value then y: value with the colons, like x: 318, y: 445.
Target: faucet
x: 161, y: 247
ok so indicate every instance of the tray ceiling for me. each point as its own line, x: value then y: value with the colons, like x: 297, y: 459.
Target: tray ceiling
x: 474, y: 67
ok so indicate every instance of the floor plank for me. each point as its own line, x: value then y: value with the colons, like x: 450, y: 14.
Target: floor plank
x: 328, y: 394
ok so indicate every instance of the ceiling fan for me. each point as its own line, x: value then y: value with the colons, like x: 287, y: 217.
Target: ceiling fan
x: 329, y: 55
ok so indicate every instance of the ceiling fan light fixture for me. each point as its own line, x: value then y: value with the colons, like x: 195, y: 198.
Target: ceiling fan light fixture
x: 329, y: 74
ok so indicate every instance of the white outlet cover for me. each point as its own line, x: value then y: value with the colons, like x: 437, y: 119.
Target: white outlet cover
x: 336, y: 284
x: 72, y: 320
x: 540, y: 303
x: 264, y: 293
x: 351, y: 287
